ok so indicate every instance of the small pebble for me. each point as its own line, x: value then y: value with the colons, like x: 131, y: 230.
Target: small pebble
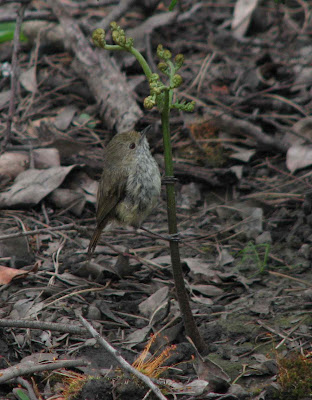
x: 238, y: 391
x: 305, y: 251
x: 93, y: 313
x: 265, y: 237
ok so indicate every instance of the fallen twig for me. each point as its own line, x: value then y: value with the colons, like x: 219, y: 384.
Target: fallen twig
x: 26, y: 369
x: 29, y: 16
x: 36, y: 231
x: 124, y: 364
x: 14, y: 75
x: 290, y: 277
x: 51, y: 326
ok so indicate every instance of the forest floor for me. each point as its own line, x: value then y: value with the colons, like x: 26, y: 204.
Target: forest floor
x: 243, y: 161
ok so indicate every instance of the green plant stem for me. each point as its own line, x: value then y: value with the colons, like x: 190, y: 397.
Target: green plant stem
x: 147, y: 71
x: 182, y: 295
x: 114, y: 47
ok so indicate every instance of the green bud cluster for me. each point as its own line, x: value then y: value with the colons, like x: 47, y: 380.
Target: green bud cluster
x: 149, y: 102
x: 179, y: 60
x: 98, y: 37
x: 188, y: 107
x: 155, y: 84
x: 163, y: 67
x: 119, y: 36
x: 167, y: 66
x: 163, y: 54
x: 156, y: 89
x: 154, y: 78
x: 114, y: 26
x: 176, y: 81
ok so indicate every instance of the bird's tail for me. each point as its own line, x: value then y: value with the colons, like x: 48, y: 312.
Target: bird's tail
x: 93, y: 241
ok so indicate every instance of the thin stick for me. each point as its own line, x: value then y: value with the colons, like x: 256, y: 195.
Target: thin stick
x: 26, y: 369
x: 36, y: 231
x: 289, y: 277
x: 124, y: 364
x: 75, y: 294
x: 13, y: 1
x: 51, y: 326
x: 14, y: 75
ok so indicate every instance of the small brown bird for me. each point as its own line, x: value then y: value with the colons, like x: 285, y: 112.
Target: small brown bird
x: 129, y: 185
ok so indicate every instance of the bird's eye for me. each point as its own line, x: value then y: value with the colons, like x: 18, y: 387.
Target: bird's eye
x: 132, y: 146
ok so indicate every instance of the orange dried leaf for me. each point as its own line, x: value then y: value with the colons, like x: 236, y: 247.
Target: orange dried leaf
x: 8, y: 274
x: 220, y: 89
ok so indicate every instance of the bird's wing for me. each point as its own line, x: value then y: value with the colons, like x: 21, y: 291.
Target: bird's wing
x: 112, y: 189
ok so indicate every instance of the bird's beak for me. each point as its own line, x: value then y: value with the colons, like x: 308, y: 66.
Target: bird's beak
x: 144, y: 132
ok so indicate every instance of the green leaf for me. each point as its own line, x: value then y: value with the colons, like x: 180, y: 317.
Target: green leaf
x: 21, y: 395
x: 7, y: 30
x: 85, y: 119
x: 172, y: 4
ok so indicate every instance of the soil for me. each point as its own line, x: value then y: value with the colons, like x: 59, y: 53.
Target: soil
x: 244, y: 215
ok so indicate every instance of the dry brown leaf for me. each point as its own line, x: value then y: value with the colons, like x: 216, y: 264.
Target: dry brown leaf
x: 65, y: 117
x: 138, y: 336
x: 81, y: 182
x: 4, y: 98
x: 68, y: 199
x: 304, y: 128
x: 7, y: 274
x: 31, y: 186
x: 13, y: 163
x: 242, y: 16
x: 202, y: 269
x: 148, y: 306
x: 207, y: 290
x: 209, y: 371
x: 298, y: 157
x: 29, y: 80
x: 194, y: 388
x: 46, y: 158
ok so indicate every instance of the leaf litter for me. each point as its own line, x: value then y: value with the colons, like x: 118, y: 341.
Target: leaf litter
x: 250, y: 301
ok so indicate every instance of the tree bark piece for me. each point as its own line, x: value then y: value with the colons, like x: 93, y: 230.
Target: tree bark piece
x: 109, y: 87
x: 238, y: 127
x: 117, y: 12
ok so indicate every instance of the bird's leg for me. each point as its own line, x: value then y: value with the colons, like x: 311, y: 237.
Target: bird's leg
x: 174, y: 238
